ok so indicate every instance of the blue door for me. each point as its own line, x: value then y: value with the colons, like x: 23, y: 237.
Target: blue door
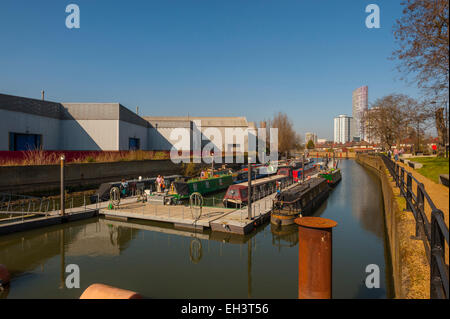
x: 134, y: 144
x: 25, y: 142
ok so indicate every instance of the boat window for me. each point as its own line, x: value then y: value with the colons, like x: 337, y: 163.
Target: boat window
x: 244, y: 193
x: 231, y: 192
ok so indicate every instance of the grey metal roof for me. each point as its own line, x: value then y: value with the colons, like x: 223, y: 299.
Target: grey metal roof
x: 30, y: 106
x: 70, y: 111
x: 206, y: 121
x: 110, y: 111
x: 101, y: 111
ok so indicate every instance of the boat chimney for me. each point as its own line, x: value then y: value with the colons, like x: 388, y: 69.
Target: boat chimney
x: 137, y: 110
x: 43, y: 95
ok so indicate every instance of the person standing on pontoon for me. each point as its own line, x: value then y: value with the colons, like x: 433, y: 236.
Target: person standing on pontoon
x: 158, y: 184
x: 124, y: 187
x: 163, y: 184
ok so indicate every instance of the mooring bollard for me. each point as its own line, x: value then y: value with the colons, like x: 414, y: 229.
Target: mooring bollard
x: 315, y: 257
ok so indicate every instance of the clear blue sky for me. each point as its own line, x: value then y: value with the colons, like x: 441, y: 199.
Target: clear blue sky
x: 209, y: 57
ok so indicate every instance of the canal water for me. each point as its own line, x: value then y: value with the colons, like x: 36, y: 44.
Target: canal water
x: 162, y: 262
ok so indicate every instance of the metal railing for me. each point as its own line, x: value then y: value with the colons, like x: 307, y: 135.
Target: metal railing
x: 15, y: 208
x: 436, y: 231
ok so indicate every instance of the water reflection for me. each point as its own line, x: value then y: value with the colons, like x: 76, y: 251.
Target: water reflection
x: 21, y: 254
x: 195, y: 250
x: 284, y: 236
x: 371, y: 197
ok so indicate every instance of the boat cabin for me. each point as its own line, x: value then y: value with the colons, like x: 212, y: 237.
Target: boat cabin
x: 237, y: 194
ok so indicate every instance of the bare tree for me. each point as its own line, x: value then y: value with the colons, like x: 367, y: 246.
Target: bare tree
x: 298, y: 145
x: 423, y: 48
x: 390, y: 117
x: 420, y: 116
x: 288, y: 139
x: 442, y: 129
x: 423, y: 43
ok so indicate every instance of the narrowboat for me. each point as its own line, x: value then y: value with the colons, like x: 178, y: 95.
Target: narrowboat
x: 297, y: 174
x: 302, y: 199
x: 184, y: 189
x: 333, y: 176
x: 134, y: 186
x: 237, y: 194
x: 258, y: 171
x: 285, y: 171
x: 242, y: 176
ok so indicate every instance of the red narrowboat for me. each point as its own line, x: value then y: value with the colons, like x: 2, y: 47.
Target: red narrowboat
x: 237, y: 194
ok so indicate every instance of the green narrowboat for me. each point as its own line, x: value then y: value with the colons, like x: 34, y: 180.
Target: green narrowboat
x: 182, y: 190
x: 333, y: 176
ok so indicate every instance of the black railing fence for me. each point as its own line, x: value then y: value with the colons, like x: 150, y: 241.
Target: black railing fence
x: 435, y: 231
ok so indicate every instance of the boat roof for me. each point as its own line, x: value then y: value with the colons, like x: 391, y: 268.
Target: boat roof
x: 261, y: 181
x: 199, y: 179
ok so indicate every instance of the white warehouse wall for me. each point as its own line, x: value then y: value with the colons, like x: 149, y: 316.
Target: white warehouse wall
x: 159, y: 139
x: 18, y: 122
x: 90, y: 135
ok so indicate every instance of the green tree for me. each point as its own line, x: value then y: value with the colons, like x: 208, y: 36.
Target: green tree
x: 310, y: 145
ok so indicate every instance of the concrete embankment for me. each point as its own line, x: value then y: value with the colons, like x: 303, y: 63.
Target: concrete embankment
x: 410, y: 265
x: 43, y: 178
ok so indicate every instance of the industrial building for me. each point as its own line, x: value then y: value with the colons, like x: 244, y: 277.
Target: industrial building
x: 28, y: 124
x: 162, y: 128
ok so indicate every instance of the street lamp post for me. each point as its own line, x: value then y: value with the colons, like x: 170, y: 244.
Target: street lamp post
x: 212, y: 164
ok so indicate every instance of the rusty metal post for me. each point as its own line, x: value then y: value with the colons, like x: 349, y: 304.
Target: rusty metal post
x: 249, y: 189
x: 249, y: 268
x: 315, y: 257
x: 63, y: 159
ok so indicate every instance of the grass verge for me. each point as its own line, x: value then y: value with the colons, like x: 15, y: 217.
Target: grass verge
x: 432, y: 167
